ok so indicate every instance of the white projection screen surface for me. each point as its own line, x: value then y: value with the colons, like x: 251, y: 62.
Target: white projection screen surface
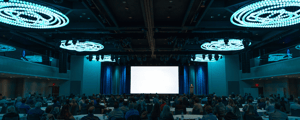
x: 154, y: 79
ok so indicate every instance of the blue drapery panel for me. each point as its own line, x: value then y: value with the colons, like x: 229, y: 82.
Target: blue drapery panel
x: 201, y: 80
x: 114, y: 80
x: 106, y: 79
x: 123, y: 86
x: 196, y: 75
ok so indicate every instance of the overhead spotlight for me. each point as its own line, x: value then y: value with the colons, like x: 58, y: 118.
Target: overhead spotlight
x: 209, y: 57
x: 217, y: 57
x: 203, y: 56
x: 226, y: 41
x: 97, y: 57
x: 90, y: 57
x: 102, y: 57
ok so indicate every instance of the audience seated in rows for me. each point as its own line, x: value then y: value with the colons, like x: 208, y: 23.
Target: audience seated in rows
x: 11, y: 114
x: 90, y: 115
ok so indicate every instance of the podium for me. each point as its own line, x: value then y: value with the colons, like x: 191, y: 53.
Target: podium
x: 192, y: 90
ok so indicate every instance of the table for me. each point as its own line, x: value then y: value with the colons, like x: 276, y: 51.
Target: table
x: 259, y: 111
x: 112, y: 108
x: 22, y: 116
x: 289, y: 117
x: 43, y: 108
x: 188, y: 116
x: 187, y: 109
x: 102, y: 104
x: 125, y: 100
x: 100, y: 116
x: 50, y: 104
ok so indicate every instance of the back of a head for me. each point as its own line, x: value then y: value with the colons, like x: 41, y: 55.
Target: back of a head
x: 156, y: 107
x: 49, y: 109
x: 4, y: 97
x: 197, y: 100
x: 121, y: 100
x: 219, y: 99
x: 91, y: 109
x: 277, y: 106
x: 125, y: 103
x: 38, y: 105
x: 208, y: 109
x: 23, y: 100
x: 11, y: 109
x: 131, y: 106
x: 250, y: 109
x: 116, y: 105
x: 250, y: 101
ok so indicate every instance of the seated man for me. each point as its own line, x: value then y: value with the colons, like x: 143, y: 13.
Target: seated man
x: 296, y: 105
x: 37, y: 110
x: 197, y: 109
x: 116, y: 113
x: 125, y: 108
x: 131, y: 111
x: 11, y: 114
x: 210, y: 115
x: 181, y: 106
x: 18, y: 102
x: 278, y: 115
x: 90, y: 115
x: 3, y: 101
x: 24, y: 106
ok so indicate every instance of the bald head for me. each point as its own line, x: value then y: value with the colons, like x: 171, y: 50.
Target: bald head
x: 91, y: 109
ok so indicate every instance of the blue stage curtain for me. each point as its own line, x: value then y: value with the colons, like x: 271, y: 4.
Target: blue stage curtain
x: 201, y: 80
x: 186, y: 80
x: 114, y: 80
x: 106, y: 79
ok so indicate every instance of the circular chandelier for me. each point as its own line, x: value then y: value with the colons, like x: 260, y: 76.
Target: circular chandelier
x: 78, y: 46
x: 31, y: 15
x: 298, y: 47
x: 267, y: 14
x: 6, y: 48
x: 279, y: 56
x: 220, y: 45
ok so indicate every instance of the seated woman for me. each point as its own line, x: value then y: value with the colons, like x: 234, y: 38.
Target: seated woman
x: 166, y: 114
x: 47, y: 115
x: 210, y: 115
x: 250, y: 114
x: 65, y: 113
x: 11, y: 114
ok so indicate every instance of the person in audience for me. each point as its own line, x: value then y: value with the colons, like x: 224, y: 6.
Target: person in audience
x: 116, y: 113
x: 230, y: 115
x: 278, y: 97
x: 124, y: 108
x: 90, y: 115
x: 37, y: 110
x: 283, y: 105
x: 155, y: 114
x: 3, y: 101
x: 90, y: 105
x: 55, y: 112
x: 296, y: 105
x: 236, y: 111
x: 18, y: 102
x: 220, y: 109
x: 111, y: 100
x: 204, y: 100
x: 65, y: 113
x: 121, y: 100
x: 270, y: 106
x: 250, y: 114
x: 24, y: 106
x: 197, y: 109
x: 82, y: 103
x: 209, y: 115
x: 262, y: 104
x: 0, y: 96
x: 47, y: 115
x: 163, y: 103
x: 246, y: 96
x: 11, y: 114
x: 101, y: 107
x: 246, y: 107
x: 180, y: 106
x: 131, y: 111
x: 232, y: 95
x: 74, y: 107
x: 291, y: 98
x: 94, y: 98
x: 166, y: 114
x: 56, y: 104
x: 250, y: 97
x: 278, y: 115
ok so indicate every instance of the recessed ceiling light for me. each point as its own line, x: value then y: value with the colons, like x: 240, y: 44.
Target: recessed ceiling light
x: 88, y: 18
x: 130, y: 17
x: 126, y: 8
x: 170, y: 1
x: 168, y: 17
x: 211, y: 16
x: 124, y: 2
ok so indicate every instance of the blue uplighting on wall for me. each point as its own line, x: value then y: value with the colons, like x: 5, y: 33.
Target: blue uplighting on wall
x: 6, y: 48
x: 220, y: 45
x: 85, y: 46
x: 199, y: 58
x: 31, y: 15
x: 267, y: 14
x: 33, y: 58
x: 107, y: 58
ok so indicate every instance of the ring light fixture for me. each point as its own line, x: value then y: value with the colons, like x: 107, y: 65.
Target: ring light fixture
x: 220, y: 45
x: 31, y: 15
x: 268, y: 14
x: 106, y: 58
x: 6, y: 48
x: 199, y: 58
x: 279, y: 56
x: 85, y: 46
x: 298, y: 47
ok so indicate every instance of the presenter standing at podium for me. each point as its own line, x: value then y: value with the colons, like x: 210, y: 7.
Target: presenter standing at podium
x: 191, y: 89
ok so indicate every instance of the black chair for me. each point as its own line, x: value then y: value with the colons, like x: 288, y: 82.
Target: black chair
x: 97, y: 111
x: 83, y: 110
x: 134, y: 117
x: 295, y: 112
x: 22, y: 110
x: 149, y: 108
x: 74, y: 110
x: 196, y: 112
x: 33, y: 117
x: 11, y: 118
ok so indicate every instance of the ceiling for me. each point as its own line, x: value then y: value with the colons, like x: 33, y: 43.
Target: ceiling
x: 147, y: 28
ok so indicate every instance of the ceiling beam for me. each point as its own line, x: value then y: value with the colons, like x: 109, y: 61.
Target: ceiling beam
x: 147, y: 6
x: 108, y: 12
x: 86, y: 4
x: 30, y: 38
x: 187, y: 12
x: 204, y: 13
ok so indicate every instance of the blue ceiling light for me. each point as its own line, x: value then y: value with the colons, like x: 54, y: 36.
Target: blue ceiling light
x: 31, y: 15
x: 298, y: 47
x: 279, y: 56
x: 104, y: 58
x: 6, y: 48
x: 85, y: 46
x: 199, y: 58
x: 33, y: 58
x: 268, y: 14
x: 233, y: 44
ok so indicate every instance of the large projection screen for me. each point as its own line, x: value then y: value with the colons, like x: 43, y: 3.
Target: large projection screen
x: 154, y: 79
